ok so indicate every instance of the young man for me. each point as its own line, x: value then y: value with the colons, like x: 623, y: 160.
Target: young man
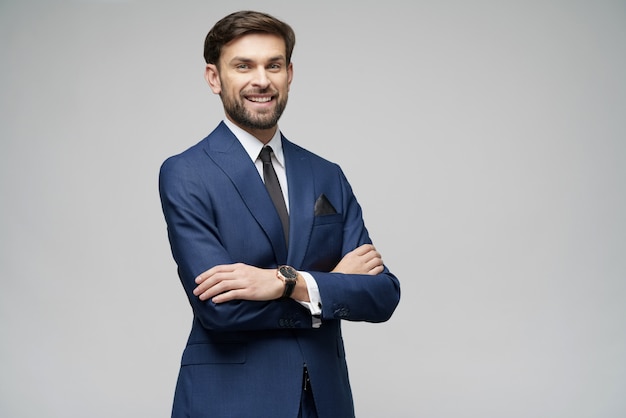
x: 270, y: 270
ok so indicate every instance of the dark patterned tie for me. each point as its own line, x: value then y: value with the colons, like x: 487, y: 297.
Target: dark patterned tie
x: 273, y: 187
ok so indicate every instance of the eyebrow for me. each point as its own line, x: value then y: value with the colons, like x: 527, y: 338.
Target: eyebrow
x: 248, y: 60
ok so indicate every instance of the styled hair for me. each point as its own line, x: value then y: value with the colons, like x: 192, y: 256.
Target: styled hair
x: 242, y: 23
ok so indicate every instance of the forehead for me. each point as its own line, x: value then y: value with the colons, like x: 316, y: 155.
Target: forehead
x: 254, y: 46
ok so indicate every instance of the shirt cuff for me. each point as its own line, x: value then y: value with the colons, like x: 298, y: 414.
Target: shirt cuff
x: 315, y: 301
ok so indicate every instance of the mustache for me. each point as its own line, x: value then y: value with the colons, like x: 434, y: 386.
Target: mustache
x: 268, y: 90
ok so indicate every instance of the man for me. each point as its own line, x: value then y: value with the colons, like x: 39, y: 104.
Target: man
x: 268, y: 281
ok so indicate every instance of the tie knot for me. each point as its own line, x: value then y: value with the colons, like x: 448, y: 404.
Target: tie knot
x: 266, y: 154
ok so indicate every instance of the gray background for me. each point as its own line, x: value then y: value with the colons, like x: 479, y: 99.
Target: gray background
x: 484, y: 140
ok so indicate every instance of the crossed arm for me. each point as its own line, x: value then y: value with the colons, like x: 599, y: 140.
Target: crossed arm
x: 241, y: 281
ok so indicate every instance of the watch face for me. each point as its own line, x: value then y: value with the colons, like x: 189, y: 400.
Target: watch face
x: 288, y: 272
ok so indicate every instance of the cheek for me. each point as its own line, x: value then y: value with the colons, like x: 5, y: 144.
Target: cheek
x: 231, y: 88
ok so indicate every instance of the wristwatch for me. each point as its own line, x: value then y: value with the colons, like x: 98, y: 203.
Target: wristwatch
x: 289, y: 275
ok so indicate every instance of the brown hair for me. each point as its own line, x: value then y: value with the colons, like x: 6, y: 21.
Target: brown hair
x: 241, y: 23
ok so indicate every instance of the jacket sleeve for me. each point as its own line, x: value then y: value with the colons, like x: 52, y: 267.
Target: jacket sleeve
x: 356, y: 297
x: 196, y: 242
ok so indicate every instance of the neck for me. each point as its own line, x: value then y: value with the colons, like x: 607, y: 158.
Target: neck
x: 263, y: 135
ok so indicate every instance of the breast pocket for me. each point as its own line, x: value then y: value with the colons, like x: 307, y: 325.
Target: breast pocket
x: 327, y: 219
x: 326, y: 242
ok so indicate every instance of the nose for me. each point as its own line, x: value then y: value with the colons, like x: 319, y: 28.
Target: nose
x: 260, y: 79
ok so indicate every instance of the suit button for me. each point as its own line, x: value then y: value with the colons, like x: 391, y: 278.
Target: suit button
x: 341, y: 312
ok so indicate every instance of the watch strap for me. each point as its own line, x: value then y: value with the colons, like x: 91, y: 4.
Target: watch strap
x: 289, y: 286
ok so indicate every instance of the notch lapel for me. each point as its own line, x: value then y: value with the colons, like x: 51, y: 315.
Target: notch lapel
x: 228, y: 153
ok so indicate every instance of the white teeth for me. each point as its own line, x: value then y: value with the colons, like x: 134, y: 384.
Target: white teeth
x: 260, y: 99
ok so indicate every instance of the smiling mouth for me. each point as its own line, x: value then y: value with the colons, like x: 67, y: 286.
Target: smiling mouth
x: 260, y: 99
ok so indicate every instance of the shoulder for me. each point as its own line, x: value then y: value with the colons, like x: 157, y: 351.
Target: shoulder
x: 183, y: 160
x: 198, y: 153
x: 295, y: 151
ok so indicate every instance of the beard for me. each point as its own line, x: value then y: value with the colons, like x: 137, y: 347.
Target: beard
x: 235, y: 108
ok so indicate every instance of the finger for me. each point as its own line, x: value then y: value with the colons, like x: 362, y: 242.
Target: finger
x: 204, y: 276
x: 203, y: 286
x: 364, y: 249
x: 374, y: 262
x: 371, y: 256
x: 377, y: 270
x: 360, y: 250
x: 212, y: 281
x: 227, y: 296
x: 205, y: 293
x: 219, y: 288
x: 221, y: 268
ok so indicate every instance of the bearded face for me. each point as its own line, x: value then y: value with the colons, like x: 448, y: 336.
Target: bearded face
x: 253, y: 79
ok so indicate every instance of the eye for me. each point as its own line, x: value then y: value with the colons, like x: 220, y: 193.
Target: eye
x: 242, y: 66
x: 274, y: 67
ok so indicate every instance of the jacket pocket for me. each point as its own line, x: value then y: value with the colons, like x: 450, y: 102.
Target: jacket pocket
x: 327, y: 219
x: 221, y: 353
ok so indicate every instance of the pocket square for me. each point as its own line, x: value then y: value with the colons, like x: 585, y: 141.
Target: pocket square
x: 323, y: 206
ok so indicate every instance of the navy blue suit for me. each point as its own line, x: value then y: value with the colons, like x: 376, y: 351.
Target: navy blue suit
x: 245, y: 358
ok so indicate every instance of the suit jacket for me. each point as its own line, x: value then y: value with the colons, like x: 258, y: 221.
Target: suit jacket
x: 245, y: 358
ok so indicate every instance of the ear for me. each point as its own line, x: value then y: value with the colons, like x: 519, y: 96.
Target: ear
x: 289, y: 74
x: 212, y: 77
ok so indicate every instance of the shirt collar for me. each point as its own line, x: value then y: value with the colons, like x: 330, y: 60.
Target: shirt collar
x: 253, y: 146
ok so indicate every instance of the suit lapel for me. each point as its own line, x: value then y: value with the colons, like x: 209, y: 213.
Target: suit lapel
x: 301, y: 201
x: 228, y: 153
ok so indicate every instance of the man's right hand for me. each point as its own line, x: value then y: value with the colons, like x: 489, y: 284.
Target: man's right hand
x: 362, y: 260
